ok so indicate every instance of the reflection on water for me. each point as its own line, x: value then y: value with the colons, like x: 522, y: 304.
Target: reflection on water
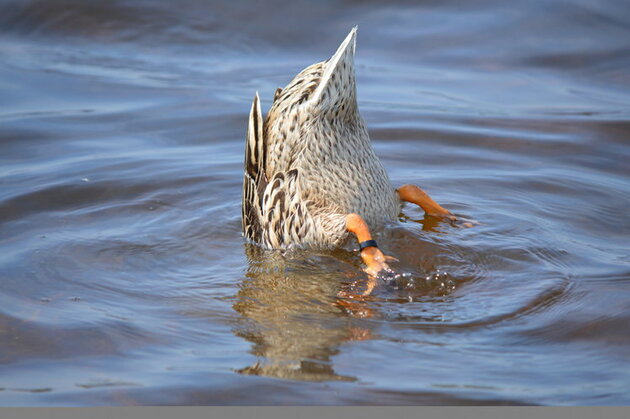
x: 124, y: 278
x: 299, y: 308
x: 291, y: 319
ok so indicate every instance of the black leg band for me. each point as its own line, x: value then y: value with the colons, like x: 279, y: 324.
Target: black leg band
x: 367, y: 243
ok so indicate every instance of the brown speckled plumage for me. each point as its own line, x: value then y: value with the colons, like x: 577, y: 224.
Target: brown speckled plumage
x: 310, y: 163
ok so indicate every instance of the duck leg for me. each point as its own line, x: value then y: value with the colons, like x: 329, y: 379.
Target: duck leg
x: 372, y: 256
x: 415, y: 195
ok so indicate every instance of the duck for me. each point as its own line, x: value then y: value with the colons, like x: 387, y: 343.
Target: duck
x: 311, y: 176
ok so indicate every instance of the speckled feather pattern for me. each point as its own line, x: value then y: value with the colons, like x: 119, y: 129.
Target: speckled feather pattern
x: 311, y: 162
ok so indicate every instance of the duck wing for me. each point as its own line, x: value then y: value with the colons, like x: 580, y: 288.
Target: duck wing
x: 254, y: 178
x: 273, y: 214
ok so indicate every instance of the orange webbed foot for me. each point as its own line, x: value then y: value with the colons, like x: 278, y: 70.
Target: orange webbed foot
x: 376, y: 262
x: 415, y: 195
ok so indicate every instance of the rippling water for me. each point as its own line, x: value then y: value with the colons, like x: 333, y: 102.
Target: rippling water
x: 124, y: 278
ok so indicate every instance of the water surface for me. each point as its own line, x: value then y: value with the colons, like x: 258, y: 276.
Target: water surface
x: 124, y: 278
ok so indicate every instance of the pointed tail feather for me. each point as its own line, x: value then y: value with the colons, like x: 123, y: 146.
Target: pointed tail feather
x: 338, y: 74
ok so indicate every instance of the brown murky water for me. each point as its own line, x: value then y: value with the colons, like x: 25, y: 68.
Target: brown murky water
x: 124, y: 278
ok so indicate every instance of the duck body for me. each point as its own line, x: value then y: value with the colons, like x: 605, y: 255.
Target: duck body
x: 310, y: 162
